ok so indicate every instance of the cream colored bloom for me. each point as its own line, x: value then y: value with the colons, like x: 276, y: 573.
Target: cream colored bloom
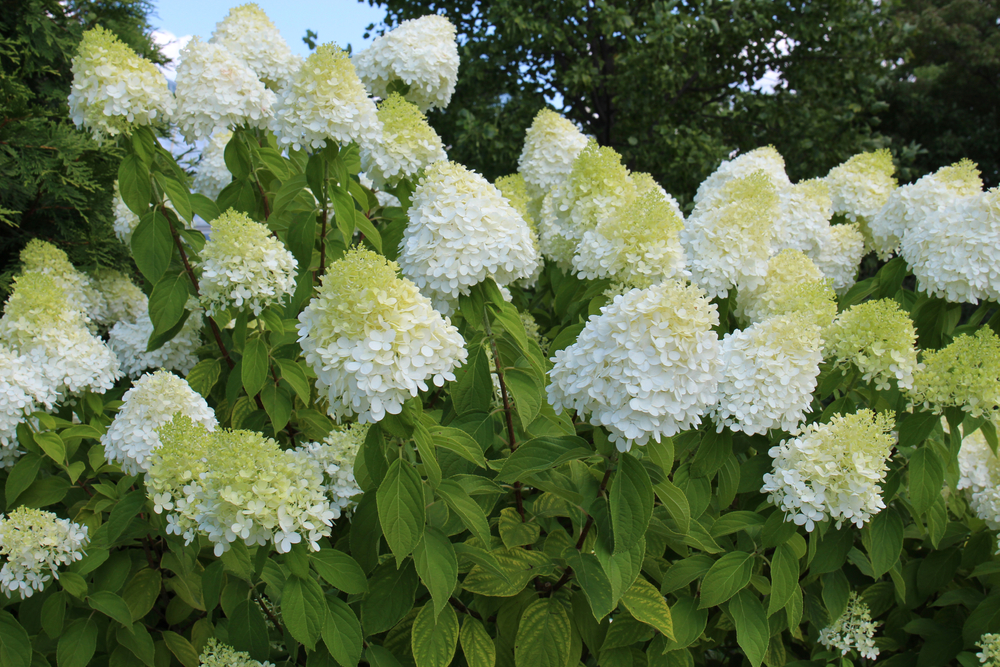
x: 840, y: 257
x: 335, y: 456
x: 803, y: 219
x: 853, y: 630
x: 793, y: 285
x: 408, y: 144
x: 989, y: 656
x: 216, y: 654
x: 965, y: 374
x: 515, y: 190
x: 712, y: 191
x: 212, y: 174
x: 551, y: 145
x: 860, y: 187
x: 42, y: 257
x: 250, y: 35
x: 34, y: 544
x: 878, y: 338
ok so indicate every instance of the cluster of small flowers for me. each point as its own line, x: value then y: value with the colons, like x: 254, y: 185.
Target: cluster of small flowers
x: 803, y: 220
x: 220, y: 655
x: 792, y: 284
x: 989, y: 656
x: 965, y: 374
x: 462, y: 231
x: 408, y: 144
x: 854, y: 630
x: 833, y: 470
x: 129, y: 339
x: 113, y: 88
x: 979, y: 476
x: 514, y: 188
x: 230, y: 485
x: 152, y: 401
x: 212, y: 174
x: 860, y: 187
x: 840, y: 257
x: 242, y: 263
x: 712, y: 192
x: 249, y: 35
x: 41, y: 257
x: 34, y: 543
x: 335, y: 456
x: 769, y: 372
x: 877, y: 337
x: 422, y: 53
x: 648, y: 365
x: 373, y: 339
x: 123, y: 300
x: 21, y: 385
x: 551, y: 145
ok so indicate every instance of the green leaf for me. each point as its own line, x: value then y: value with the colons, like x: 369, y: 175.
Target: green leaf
x: 373, y: 453
x: 53, y: 614
x: 248, y: 631
x: 458, y: 441
x: 517, y: 567
x: 182, y: 649
x: 15, y: 646
x: 926, y: 479
x: 473, y: 388
x: 166, y: 303
x: 752, y: 633
x: 138, y: 640
x: 296, y: 378
x: 543, y: 635
x: 914, y: 428
x: 204, y: 207
x: 111, y: 605
x: 437, y: 566
x: 237, y: 157
x: 631, y: 499
x: 141, y: 592
x: 727, y: 576
x: 836, y: 593
x: 277, y: 402
x: 52, y: 445
x: 339, y: 570
x: 366, y: 227
x: 433, y: 640
x: 343, y: 210
x: 428, y: 455
x: 543, y: 453
x: 594, y: 583
x: 784, y: 577
x: 675, y: 501
x: 303, y: 609
x: 133, y: 184
x: 152, y: 245
x: 401, y: 510
x: 124, y: 512
x: 477, y: 645
x: 379, y: 656
x: 468, y: 510
x: 77, y: 645
x: 528, y: 393
x: 204, y: 375
x: 255, y: 365
x: 178, y: 194
x: 688, y: 622
x: 883, y: 539
x: 514, y: 532
x: 390, y: 597
x: 646, y: 604
x: 714, y: 450
x: 24, y: 472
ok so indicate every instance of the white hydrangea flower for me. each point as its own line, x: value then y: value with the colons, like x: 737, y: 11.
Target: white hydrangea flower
x: 840, y: 257
x: 129, y: 338
x: 860, y: 187
x: 955, y: 251
x: 990, y: 653
x: 638, y: 244
x: 212, y: 174
x: 236, y: 485
x: 40, y: 324
x: 729, y: 243
x: 220, y: 655
x: 152, y: 401
x: 793, y: 285
x: 216, y: 91
x: 964, y: 374
x: 42, y: 257
x: 21, y: 384
x: 242, y: 263
x: 769, y: 372
x: 34, y: 543
x: 324, y: 100
x: 551, y: 145
x: 461, y: 232
x: 408, y: 144
x: 803, y: 218
x: 123, y: 300
x: 854, y: 630
x: 879, y: 338
x: 910, y: 205
x: 335, y: 456
x: 647, y: 366
x: 979, y: 476
x: 712, y: 193
x: 515, y: 190
x: 373, y: 339
x: 422, y: 53
x: 832, y: 471
x: 250, y: 35
x: 114, y: 88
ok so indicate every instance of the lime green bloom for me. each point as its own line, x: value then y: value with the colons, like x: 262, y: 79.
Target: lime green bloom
x: 878, y: 338
x: 965, y: 374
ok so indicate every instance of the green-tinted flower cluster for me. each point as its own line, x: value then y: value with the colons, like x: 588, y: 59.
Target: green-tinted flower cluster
x: 878, y: 338
x: 965, y: 374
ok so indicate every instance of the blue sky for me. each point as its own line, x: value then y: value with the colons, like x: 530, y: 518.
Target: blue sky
x: 340, y: 21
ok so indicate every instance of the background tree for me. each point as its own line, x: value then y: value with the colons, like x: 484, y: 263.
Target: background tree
x: 56, y: 183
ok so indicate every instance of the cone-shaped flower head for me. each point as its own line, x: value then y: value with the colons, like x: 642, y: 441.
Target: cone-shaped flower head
x: 840, y: 257
x: 422, y: 53
x: 793, y: 285
x: 853, y: 630
x: 989, y: 656
x: 647, y: 366
x: 860, y: 187
x: 243, y: 264
x: 373, y: 339
x: 955, y: 252
x: 638, y: 244
x: 712, y: 192
x: 408, y: 143
x: 979, y: 476
x: 910, y: 205
x: 335, y: 456
x: 114, y: 88
x: 729, y: 243
x: 551, y: 145
x: 39, y: 322
x: 151, y: 402
x: 515, y: 190
x: 212, y: 174
x: 769, y: 372
x: 220, y: 655
x: 461, y: 232
x: 249, y: 35
x: 878, y: 338
x: 128, y: 339
x: 965, y: 374
x: 217, y: 91
x: 597, y: 186
x: 34, y: 543
x: 20, y: 384
x: 123, y: 300
x: 236, y: 485
x: 803, y: 219
x: 41, y: 257
x: 833, y: 470
x: 324, y: 100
